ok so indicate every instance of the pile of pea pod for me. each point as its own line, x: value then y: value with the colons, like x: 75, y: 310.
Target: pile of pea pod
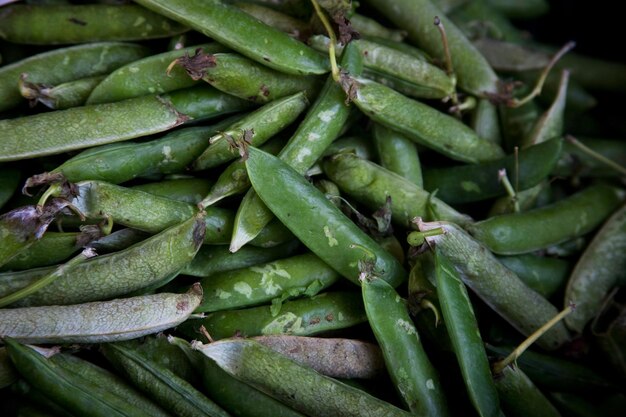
x: 307, y: 208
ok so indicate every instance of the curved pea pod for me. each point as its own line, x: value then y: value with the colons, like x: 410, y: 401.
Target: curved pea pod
x: 398, y: 154
x: 564, y: 220
x: 65, y: 64
x: 69, y: 390
x: 244, y: 34
x: 575, y: 162
x: 187, y: 190
x: 601, y: 268
x: 423, y: 124
x: 9, y: 181
x: 82, y: 127
x: 478, y: 18
x: 308, y: 316
x: 41, y: 24
x: 543, y: 274
x: 294, y: 27
x: 595, y: 74
x: 275, y: 281
x: 147, y: 76
x: 61, y: 96
x: 52, y: 248
x: 318, y: 223
x: 416, y: 17
x: 496, y: 285
x: 253, y: 129
x: 469, y: 183
x: 165, y: 387
x: 486, y: 121
x: 460, y: 321
x: 371, y: 184
x: 369, y: 27
x: 297, y: 386
x: 412, y: 373
x: 520, y: 397
x: 511, y: 56
x: 101, y: 321
x: 143, y: 265
x: 8, y: 375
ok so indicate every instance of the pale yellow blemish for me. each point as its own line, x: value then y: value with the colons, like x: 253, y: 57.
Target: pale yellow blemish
x: 326, y: 116
x: 243, y: 288
x: 222, y: 295
x: 139, y: 21
x: 430, y: 384
x: 331, y: 238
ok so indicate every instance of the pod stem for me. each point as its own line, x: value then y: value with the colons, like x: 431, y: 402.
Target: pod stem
x: 333, y: 40
x: 449, y: 66
x: 504, y: 179
x: 416, y: 238
x: 571, y: 139
x: 427, y: 304
x: 499, y: 366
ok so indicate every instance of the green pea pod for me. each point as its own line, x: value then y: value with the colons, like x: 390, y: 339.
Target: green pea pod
x: 278, y: 280
x: 520, y: 397
x: 166, y: 388
x: 61, y: 96
x: 243, y: 33
x: 294, y: 27
x: 116, y: 274
x: 398, y: 154
x: 9, y: 181
x: 412, y: 373
x: 517, y: 122
x: 511, y: 56
x: 423, y: 124
x: 496, y: 285
x: 71, y: 392
x: 308, y: 316
x: 525, y: 9
x: 187, y: 190
x: 479, y: 14
x: 416, y: 17
x: 371, y: 184
x: 468, y: 346
x: 262, y: 124
x: 564, y: 220
x: 83, y: 127
x: 96, y: 322
x: 13, y: 281
x: 543, y: 274
x: 299, y: 387
x: 575, y: 162
x: 63, y: 24
x: 316, y: 221
x: 159, y: 350
x: 368, y: 27
x: 486, y: 121
x: 118, y: 240
x: 469, y: 183
x: 65, y: 64
x: 147, y: 76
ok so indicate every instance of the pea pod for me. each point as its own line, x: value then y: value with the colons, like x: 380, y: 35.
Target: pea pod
x: 369, y: 27
x: 102, y: 321
x: 243, y: 33
x: 299, y: 387
x: 541, y: 273
x: 187, y: 190
x: 398, y: 154
x: 520, y: 9
x: 292, y: 26
x: 316, y: 221
x: 61, y: 96
x: 520, y: 397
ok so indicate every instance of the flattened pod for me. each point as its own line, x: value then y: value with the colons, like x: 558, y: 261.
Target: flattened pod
x: 103, y: 321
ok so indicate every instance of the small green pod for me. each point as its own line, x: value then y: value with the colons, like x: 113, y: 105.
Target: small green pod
x: 254, y: 130
x: 520, y: 397
x: 371, y: 184
x: 412, y: 373
x: 244, y: 34
x: 297, y: 386
x: 292, y: 26
x: 486, y: 121
x: 368, y: 27
x: 187, y: 190
x: 559, y: 222
x: 61, y: 96
x: 398, y: 154
x: 541, y: 273
x: 476, y: 18
x: 469, y: 183
x: 65, y: 64
x: 64, y: 24
x: 101, y: 321
x: 277, y: 281
x: 305, y: 317
x: 319, y: 224
x: 576, y: 162
x: 9, y: 181
x: 51, y: 249
x: 511, y: 56
x: 423, y: 124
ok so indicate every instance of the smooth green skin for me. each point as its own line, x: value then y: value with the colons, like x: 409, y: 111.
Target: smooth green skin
x: 370, y: 184
x: 542, y: 274
x: 518, y: 122
x: 368, y: 27
x: 148, y: 76
x: 412, y: 373
x: 159, y: 350
x: 116, y: 274
x: 297, y: 8
x: 11, y: 282
x: 520, y: 397
x: 281, y: 21
x: 512, y: 56
x: 52, y: 248
x: 213, y: 259
x: 204, y: 102
x: 243, y: 33
x: 107, y: 382
x: 569, y: 218
x: 66, y: 95
x: 261, y: 283
x: 304, y: 317
x: 187, y: 190
x: 69, y: 391
x: 496, y: 285
x: 595, y: 74
x: 423, y: 124
x: 317, y: 222
x: 416, y: 17
x: 577, y: 99
x: 8, y: 375
x: 9, y: 181
x: 65, y: 64
x: 322, y: 124
x: 101, y: 321
x: 601, y: 268
x: 118, y: 240
x: 398, y: 154
x: 522, y: 9
x: 36, y: 404
x: 120, y: 162
x: 575, y: 162
x: 162, y: 385
x: 64, y: 24
x: 469, y: 183
x: 458, y: 316
x: 296, y: 385
x: 486, y: 122
x: 265, y: 122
